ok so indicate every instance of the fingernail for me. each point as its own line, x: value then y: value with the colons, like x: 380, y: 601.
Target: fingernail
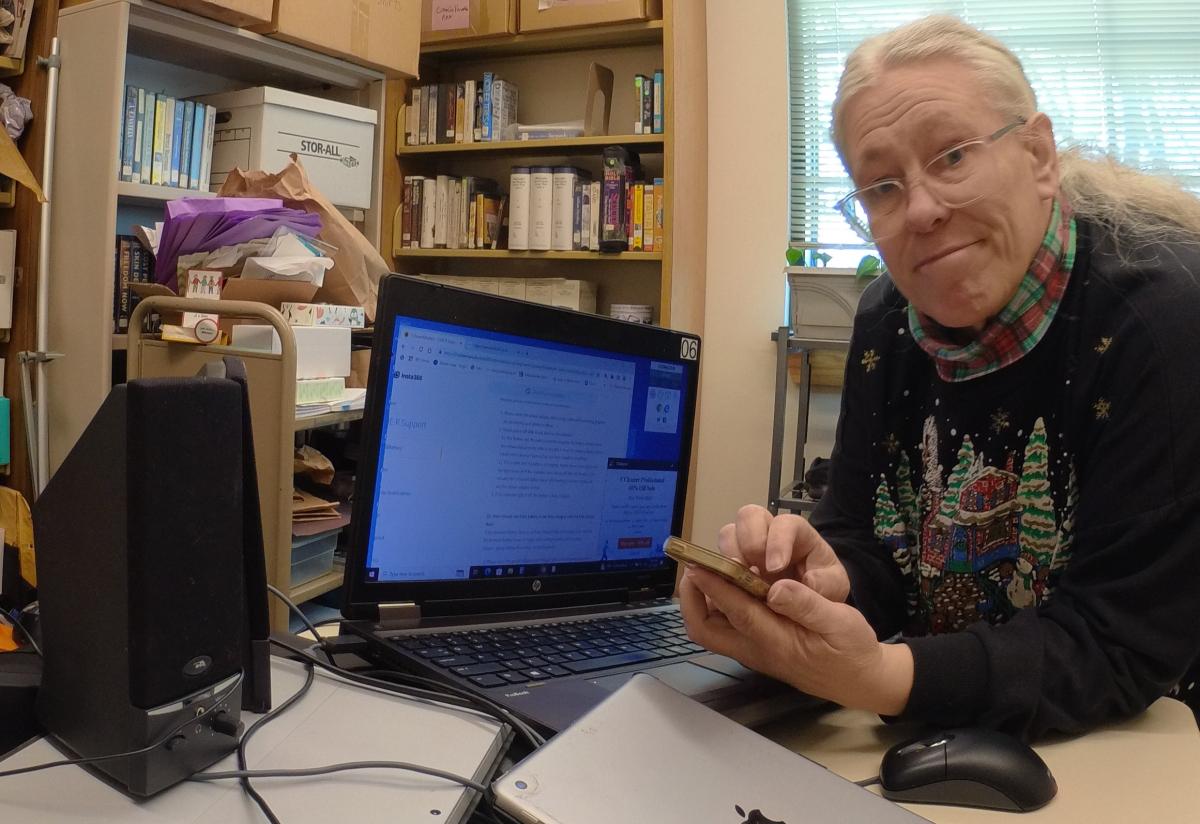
x: 774, y: 561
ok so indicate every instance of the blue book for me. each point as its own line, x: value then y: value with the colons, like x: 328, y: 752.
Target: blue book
x: 176, y: 142
x: 130, y: 129
x: 185, y: 146
x: 487, y: 105
x: 147, y: 147
x: 658, y: 101
x: 197, y: 148
x: 137, y: 136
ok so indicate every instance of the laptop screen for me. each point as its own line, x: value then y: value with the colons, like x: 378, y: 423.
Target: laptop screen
x: 505, y: 456
x: 515, y: 456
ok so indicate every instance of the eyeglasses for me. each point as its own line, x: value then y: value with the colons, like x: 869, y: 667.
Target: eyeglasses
x: 958, y: 177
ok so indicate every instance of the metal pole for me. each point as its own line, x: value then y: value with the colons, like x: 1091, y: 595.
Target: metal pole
x: 42, y: 458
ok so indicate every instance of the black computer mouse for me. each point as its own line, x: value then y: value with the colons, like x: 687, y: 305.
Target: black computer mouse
x: 967, y: 768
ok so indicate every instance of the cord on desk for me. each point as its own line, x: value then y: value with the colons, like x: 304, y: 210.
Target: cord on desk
x: 868, y: 782
x: 478, y: 702
x: 213, y: 707
x: 241, y: 750
x: 305, y: 772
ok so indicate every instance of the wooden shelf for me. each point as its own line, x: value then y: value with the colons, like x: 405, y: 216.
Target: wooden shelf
x: 568, y: 145
x: 8, y: 194
x: 593, y: 37
x: 145, y: 194
x: 505, y: 253
x: 11, y: 66
x: 328, y: 419
x: 319, y: 586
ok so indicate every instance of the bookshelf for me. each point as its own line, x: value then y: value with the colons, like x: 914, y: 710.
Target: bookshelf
x: 107, y: 44
x: 549, y: 68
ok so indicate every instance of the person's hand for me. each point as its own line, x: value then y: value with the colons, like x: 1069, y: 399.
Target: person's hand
x: 784, y: 546
x: 818, y: 645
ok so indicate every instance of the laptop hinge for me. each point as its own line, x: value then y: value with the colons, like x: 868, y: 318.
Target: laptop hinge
x: 643, y: 594
x: 402, y: 611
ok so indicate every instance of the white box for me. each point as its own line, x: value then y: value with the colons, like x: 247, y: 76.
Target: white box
x: 8, y: 260
x: 321, y: 351
x: 579, y: 295
x: 258, y: 128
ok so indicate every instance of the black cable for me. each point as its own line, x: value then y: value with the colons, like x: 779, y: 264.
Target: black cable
x: 241, y: 750
x: 296, y: 609
x: 868, y: 782
x: 216, y: 702
x: 441, y: 693
x: 16, y: 622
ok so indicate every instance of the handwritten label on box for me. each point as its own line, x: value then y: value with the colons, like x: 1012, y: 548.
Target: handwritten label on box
x: 451, y: 14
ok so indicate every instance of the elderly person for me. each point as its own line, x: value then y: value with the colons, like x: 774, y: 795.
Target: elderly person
x: 1011, y: 536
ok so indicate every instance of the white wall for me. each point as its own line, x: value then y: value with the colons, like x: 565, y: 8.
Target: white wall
x: 747, y: 236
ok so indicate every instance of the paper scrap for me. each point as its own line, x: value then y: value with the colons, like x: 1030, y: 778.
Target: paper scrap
x: 13, y: 165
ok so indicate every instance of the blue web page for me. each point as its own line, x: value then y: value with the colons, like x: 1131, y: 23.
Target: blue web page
x: 505, y: 455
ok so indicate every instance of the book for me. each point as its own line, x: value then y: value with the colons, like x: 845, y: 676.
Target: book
x: 210, y: 125
x: 494, y: 220
x: 594, y: 230
x: 147, y: 145
x: 577, y: 214
x: 138, y: 128
x: 613, y: 234
x: 160, y: 131
x: 129, y: 128
x: 176, y: 141
x: 185, y: 145
x: 431, y: 129
x: 639, y: 196
x: 449, y: 108
x: 648, y: 218
x: 428, y: 211
x: 638, y: 80
x: 418, y: 201
x: 660, y: 197
x: 406, y: 212
x: 658, y: 101
x: 422, y: 115
x: 486, y: 128
x: 22, y: 11
x: 460, y: 112
x: 197, y: 152
x: 647, y: 105
x: 470, y: 117
x: 441, y: 210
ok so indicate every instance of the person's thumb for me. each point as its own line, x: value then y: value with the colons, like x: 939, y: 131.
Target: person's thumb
x: 802, y: 604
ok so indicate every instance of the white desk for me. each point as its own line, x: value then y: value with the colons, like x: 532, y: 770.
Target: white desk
x: 1146, y: 769
x: 332, y: 723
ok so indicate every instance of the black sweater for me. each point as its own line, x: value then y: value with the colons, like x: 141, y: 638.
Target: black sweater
x: 1034, y: 533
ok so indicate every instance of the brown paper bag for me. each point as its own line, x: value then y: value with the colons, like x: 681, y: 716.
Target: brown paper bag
x: 354, y: 278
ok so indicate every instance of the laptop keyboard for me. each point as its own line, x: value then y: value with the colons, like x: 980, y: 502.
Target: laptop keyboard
x: 540, y: 652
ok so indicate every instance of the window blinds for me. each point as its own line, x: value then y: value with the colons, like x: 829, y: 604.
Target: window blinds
x: 1118, y: 75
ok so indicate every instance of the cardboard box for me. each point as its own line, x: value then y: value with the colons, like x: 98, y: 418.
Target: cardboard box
x: 563, y: 14
x: 321, y: 351
x: 271, y: 292
x: 446, y: 20
x: 242, y: 13
x: 258, y: 128
x: 384, y: 35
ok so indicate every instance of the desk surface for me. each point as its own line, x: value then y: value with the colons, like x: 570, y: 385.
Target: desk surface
x: 1143, y: 769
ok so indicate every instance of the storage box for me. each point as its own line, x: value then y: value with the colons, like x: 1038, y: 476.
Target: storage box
x: 243, y: 13
x: 384, y: 35
x: 443, y: 20
x: 562, y: 14
x: 321, y: 351
x: 323, y: 314
x: 823, y: 301
x: 258, y: 128
x: 312, y: 556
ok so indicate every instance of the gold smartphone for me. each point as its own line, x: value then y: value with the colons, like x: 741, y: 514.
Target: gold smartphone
x: 733, y: 571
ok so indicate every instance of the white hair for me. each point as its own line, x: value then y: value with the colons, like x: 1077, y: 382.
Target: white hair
x: 1133, y: 207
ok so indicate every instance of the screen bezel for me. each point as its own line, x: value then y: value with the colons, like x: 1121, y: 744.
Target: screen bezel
x: 410, y: 297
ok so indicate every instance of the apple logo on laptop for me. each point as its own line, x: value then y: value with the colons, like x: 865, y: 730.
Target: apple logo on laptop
x: 755, y: 817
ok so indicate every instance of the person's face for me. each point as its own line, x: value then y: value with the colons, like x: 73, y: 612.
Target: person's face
x: 958, y: 266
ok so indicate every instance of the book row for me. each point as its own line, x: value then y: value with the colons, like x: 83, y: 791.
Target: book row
x: 470, y: 111
x: 166, y: 141
x: 446, y: 212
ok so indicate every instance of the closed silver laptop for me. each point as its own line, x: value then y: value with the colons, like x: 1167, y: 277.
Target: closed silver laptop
x: 651, y: 754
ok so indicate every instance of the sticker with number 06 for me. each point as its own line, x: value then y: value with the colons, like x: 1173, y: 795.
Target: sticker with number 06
x: 689, y: 348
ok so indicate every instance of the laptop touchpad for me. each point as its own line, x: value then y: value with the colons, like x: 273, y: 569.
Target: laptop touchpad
x: 691, y: 679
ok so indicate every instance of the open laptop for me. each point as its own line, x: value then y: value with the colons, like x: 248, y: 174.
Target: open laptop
x: 520, y: 468
x: 647, y: 753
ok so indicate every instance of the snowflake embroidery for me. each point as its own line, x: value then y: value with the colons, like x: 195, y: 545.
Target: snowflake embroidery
x: 1102, y: 407
x: 1103, y: 345
x: 1000, y: 421
x: 891, y: 443
x: 870, y: 360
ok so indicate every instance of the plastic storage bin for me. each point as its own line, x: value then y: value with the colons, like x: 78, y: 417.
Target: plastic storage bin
x: 312, y: 556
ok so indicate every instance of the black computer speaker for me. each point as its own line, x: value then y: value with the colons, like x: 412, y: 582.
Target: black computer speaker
x: 140, y: 565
